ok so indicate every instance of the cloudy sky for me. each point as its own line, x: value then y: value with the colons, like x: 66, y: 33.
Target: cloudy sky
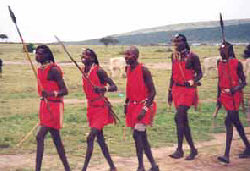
x: 40, y: 20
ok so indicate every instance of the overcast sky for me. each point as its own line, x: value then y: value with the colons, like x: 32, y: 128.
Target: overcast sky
x: 40, y: 20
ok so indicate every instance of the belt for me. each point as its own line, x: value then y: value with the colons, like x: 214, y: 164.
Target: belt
x: 93, y: 100
x: 223, y: 90
x: 136, y: 102
x: 55, y: 101
x: 183, y: 85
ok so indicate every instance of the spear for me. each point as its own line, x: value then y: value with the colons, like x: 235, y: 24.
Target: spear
x: 84, y: 75
x: 222, y: 29
x: 13, y: 18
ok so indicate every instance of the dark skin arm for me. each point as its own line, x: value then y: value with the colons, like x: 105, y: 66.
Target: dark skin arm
x: 103, y: 76
x: 218, y: 105
x: 197, y: 68
x: 242, y: 78
x: 194, y: 63
x: 147, y: 77
x: 218, y: 90
x: 170, y: 97
x: 55, y: 75
x: 218, y: 96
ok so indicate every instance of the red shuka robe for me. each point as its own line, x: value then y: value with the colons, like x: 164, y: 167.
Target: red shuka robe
x: 228, y: 78
x: 137, y: 92
x: 51, y: 110
x: 97, y: 110
x: 183, y: 95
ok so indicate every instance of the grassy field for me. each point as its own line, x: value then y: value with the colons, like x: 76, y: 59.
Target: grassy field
x: 19, y: 103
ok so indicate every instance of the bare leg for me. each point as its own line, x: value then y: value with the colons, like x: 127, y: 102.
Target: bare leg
x: 60, y: 148
x: 90, y: 146
x: 188, y: 136
x: 229, y: 138
x: 40, y: 146
x: 105, y: 151
x: 180, y: 126
x: 148, y: 152
x: 139, y: 149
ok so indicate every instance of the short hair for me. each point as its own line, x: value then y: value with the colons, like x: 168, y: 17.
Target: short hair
x: 133, y: 50
x: 47, y: 52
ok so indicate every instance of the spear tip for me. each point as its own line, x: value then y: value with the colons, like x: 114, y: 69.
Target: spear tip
x: 220, y: 17
x: 56, y: 37
x: 12, y: 15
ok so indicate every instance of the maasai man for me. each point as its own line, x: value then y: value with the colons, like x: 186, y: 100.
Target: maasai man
x: 186, y: 73
x: 140, y: 107
x: 99, y: 112
x: 231, y: 81
x: 50, y: 78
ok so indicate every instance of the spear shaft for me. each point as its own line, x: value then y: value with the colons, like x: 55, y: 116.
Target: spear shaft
x: 13, y: 18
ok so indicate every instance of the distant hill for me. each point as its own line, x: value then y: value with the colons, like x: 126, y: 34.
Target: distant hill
x: 237, y: 31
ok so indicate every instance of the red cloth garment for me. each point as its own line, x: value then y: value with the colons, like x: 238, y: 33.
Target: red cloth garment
x: 51, y: 110
x: 137, y: 92
x: 98, y: 114
x: 182, y: 95
x: 228, y: 78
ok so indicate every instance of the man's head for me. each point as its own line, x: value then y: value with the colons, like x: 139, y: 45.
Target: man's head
x: 226, y: 50
x: 247, y: 52
x: 180, y: 42
x: 131, y: 55
x: 248, y: 47
x: 44, y: 54
x: 89, y: 57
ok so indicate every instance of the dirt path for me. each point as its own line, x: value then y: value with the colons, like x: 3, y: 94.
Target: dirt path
x: 153, y: 65
x: 160, y: 65
x: 206, y: 160
x: 77, y: 101
x: 25, y: 62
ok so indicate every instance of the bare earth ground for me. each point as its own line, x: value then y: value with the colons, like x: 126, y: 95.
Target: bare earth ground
x: 155, y: 65
x: 206, y: 160
x: 118, y: 101
x: 76, y: 101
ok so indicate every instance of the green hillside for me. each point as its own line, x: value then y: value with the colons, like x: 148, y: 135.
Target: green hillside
x: 237, y: 31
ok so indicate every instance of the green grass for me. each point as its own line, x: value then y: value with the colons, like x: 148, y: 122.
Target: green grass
x: 14, y: 52
x: 76, y: 128
x: 19, y: 103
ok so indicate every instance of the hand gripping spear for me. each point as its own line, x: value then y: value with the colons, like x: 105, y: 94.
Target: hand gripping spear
x: 84, y: 75
x: 13, y: 17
